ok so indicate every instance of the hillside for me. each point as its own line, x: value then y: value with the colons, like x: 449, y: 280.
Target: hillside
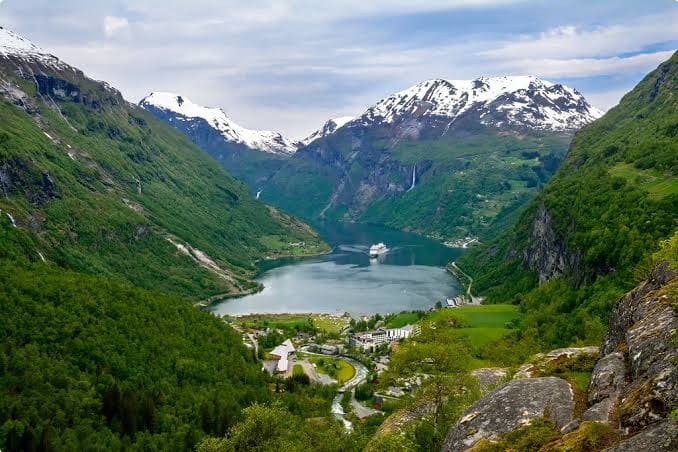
x: 443, y: 158
x: 86, y: 363
x: 95, y: 184
x: 588, y: 237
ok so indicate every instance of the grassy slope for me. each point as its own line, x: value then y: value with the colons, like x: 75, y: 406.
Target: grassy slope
x: 613, y: 199
x: 115, y: 146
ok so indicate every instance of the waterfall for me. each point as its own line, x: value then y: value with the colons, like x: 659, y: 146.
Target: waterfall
x: 258, y: 193
x: 414, y: 177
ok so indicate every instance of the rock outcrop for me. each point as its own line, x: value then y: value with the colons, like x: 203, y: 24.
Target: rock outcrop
x: 546, y: 253
x: 512, y: 406
x: 660, y: 437
x: 633, y: 386
x: 642, y: 332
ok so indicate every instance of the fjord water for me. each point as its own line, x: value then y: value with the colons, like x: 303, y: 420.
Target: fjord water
x: 411, y: 275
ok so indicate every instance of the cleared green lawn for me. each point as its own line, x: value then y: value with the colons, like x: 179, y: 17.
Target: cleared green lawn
x: 652, y: 181
x: 329, y: 323
x: 302, y: 322
x: 338, y: 369
x: 401, y: 319
x: 489, y: 315
x: 483, y: 324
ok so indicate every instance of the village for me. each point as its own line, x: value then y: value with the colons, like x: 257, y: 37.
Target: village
x: 332, y: 350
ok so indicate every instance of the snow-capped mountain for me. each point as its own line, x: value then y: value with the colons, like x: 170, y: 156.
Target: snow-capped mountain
x: 16, y: 46
x: 518, y: 101
x: 182, y: 109
x: 330, y: 126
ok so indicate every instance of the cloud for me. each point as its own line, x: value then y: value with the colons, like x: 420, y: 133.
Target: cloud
x: 113, y: 24
x: 571, y: 41
x: 289, y: 64
x: 588, y: 67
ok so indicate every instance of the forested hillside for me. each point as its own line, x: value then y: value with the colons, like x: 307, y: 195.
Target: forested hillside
x: 589, y: 236
x: 98, y: 185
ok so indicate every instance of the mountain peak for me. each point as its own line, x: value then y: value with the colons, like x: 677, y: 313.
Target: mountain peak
x: 524, y: 101
x: 14, y: 45
x: 186, y: 110
x: 330, y: 126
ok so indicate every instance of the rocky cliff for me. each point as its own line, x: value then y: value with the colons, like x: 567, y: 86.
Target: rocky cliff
x: 632, y: 391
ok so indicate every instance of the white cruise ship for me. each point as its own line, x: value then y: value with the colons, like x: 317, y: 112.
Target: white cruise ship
x: 376, y: 250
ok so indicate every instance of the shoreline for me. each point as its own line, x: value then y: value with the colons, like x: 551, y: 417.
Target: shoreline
x: 209, y: 301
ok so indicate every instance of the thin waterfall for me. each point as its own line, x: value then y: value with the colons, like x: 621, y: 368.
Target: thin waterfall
x: 414, y: 177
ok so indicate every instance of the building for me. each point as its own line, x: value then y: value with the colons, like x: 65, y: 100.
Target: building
x: 403, y: 332
x: 371, y: 339
x: 282, y: 354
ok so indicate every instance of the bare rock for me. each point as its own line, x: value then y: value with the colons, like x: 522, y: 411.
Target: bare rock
x: 602, y: 411
x: 511, y: 406
x: 607, y: 378
x: 661, y: 437
x: 489, y: 376
x: 644, y: 324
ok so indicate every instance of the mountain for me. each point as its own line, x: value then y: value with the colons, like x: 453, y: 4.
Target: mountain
x: 330, y: 126
x: 181, y: 109
x: 97, y: 185
x: 519, y: 102
x: 442, y: 158
x: 249, y: 155
x: 592, y: 231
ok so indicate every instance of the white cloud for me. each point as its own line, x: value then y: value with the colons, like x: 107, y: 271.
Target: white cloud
x: 568, y: 41
x: 588, y: 67
x: 113, y: 24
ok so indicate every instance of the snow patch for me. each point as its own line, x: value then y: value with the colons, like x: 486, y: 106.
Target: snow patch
x: 263, y: 140
x: 525, y: 100
x: 330, y: 126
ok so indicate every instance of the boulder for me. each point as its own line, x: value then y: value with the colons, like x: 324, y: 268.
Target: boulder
x: 607, y: 378
x: 511, y: 406
x: 602, y: 411
x: 661, y: 437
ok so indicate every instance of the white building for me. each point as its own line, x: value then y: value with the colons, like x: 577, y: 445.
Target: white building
x: 373, y: 339
x: 282, y: 353
x: 403, y: 332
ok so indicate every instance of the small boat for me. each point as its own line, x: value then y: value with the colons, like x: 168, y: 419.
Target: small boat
x: 376, y: 250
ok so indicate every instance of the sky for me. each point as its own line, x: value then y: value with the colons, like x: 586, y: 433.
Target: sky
x: 289, y: 65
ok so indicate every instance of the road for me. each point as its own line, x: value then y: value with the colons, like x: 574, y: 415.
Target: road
x: 474, y: 300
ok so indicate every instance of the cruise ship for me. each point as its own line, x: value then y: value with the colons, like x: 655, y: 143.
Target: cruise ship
x: 376, y: 250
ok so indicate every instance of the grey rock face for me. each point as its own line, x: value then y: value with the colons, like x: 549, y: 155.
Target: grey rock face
x: 661, y: 437
x: 512, y: 406
x: 607, y: 378
x: 545, y: 252
x: 632, y: 307
x: 602, y: 411
x: 645, y: 323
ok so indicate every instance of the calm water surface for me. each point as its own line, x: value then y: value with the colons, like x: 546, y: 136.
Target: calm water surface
x: 410, y: 275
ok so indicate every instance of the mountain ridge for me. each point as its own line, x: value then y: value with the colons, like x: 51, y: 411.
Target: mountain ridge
x: 186, y: 110
x: 96, y: 184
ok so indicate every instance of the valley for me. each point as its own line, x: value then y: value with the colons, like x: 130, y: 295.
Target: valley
x: 476, y: 263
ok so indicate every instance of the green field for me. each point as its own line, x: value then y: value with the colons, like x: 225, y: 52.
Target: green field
x: 338, y: 369
x: 401, y: 319
x: 294, y: 322
x: 658, y: 185
x: 481, y: 324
